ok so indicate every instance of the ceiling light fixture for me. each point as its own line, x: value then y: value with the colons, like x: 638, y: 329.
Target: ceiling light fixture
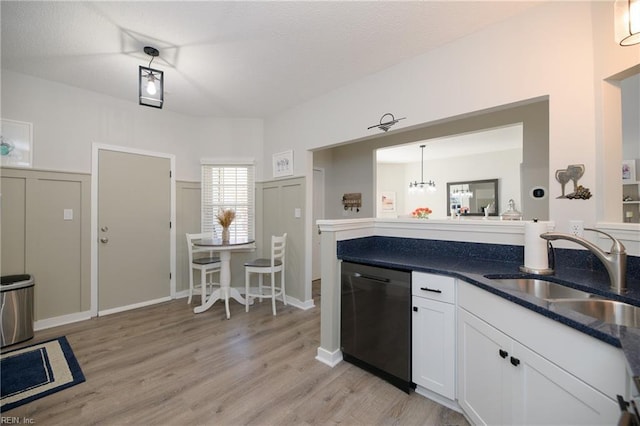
x: 384, y: 126
x: 627, y: 21
x: 415, y: 185
x: 151, y: 82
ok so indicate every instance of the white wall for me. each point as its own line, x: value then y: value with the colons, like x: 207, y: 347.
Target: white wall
x: 546, y: 51
x: 67, y: 120
x: 631, y: 117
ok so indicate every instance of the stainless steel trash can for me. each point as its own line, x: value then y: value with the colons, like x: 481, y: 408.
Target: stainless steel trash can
x: 16, y: 308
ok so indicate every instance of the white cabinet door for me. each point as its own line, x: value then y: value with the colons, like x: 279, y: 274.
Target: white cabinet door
x: 501, y: 381
x: 433, y: 346
x: 544, y: 394
x: 483, y: 389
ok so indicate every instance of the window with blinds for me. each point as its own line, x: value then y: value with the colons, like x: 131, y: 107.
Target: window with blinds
x: 228, y: 186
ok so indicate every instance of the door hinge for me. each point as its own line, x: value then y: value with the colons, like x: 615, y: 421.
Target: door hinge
x: 169, y: 224
x: 169, y: 275
x: 169, y: 173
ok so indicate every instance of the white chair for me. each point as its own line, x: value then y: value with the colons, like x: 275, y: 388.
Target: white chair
x: 267, y: 266
x: 207, y: 264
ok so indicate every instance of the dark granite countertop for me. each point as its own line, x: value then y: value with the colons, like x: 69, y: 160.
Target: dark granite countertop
x: 473, y: 271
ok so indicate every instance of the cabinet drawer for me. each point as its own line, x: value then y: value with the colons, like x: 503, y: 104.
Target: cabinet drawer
x: 434, y: 287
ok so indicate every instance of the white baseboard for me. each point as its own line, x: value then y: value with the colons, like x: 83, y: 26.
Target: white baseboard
x: 61, y: 320
x: 133, y: 306
x: 439, y: 399
x: 330, y: 358
x: 306, y: 305
x: 181, y: 294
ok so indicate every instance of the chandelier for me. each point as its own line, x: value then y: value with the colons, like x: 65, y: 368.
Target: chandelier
x: 462, y: 192
x: 420, y: 186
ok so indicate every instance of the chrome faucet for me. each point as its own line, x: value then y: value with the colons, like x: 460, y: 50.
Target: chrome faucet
x: 615, y: 261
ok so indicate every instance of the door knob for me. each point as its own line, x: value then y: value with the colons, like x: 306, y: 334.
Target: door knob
x: 104, y: 240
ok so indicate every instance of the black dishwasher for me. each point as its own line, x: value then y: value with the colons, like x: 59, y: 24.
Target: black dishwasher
x: 375, y: 321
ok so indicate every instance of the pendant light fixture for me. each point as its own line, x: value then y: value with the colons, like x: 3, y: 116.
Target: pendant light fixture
x: 627, y: 22
x: 420, y: 186
x: 151, y: 82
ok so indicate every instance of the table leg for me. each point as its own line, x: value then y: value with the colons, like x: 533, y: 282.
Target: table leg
x: 225, y: 291
x: 225, y: 281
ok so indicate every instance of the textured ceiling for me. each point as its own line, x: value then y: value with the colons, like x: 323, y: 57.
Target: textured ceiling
x: 231, y: 59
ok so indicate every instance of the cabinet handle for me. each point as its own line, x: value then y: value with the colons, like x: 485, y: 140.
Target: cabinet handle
x: 415, y: 309
x: 515, y: 361
x: 372, y: 277
x: 434, y: 290
x: 503, y: 354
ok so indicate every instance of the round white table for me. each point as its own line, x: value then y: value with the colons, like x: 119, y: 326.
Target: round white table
x: 225, y: 291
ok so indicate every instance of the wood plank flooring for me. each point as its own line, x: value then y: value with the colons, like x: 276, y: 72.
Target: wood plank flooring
x: 165, y: 365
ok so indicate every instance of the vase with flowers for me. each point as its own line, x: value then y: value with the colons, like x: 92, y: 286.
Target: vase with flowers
x: 225, y: 217
x: 422, y: 213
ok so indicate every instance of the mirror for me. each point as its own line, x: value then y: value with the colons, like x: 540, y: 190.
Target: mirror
x: 473, y: 198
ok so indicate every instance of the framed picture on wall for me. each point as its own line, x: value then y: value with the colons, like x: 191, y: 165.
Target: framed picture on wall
x: 16, y: 146
x: 628, y: 170
x: 283, y: 164
x: 388, y: 201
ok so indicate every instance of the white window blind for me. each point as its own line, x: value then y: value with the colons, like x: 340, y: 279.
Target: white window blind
x: 228, y: 186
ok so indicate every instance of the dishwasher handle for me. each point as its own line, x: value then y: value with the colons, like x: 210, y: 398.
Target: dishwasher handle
x: 371, y: 277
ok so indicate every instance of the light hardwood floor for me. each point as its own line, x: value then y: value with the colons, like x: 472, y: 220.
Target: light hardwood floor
x: 164, y: 365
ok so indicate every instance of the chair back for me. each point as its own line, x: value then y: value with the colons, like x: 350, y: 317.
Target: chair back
x: 278, y: 246
x: 195, y: 249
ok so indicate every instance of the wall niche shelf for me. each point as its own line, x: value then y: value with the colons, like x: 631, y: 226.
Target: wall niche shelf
x: 631, y: 189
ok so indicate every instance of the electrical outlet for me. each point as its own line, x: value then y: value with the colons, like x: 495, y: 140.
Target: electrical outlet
x: 576, y: 227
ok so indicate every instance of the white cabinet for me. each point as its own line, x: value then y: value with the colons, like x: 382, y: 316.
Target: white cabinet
x: 482, y: 387
x: 433, y: 333
x: 503, y: 381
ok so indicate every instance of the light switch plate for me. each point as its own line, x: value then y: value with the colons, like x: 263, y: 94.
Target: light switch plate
x: 68, y: 214
x: 297, y: 212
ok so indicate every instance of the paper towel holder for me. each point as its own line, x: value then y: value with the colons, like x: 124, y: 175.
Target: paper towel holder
x: 542, y: 271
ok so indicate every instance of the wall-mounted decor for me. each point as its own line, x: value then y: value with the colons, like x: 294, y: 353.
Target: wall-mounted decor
x: 16, y: 147
x: 283, y: 164
x: 573, y: 173
x: 386, y: 125
x: 628, y: 171
x: 352, y: 201
x: 388, y: 201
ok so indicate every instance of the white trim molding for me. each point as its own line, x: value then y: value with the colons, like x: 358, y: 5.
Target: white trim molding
x: 305, y: 306
x: 627, y: 233
x: 133, y: 306
x: 330, y: 358
x: 61, y: 320
x: 464, y: 230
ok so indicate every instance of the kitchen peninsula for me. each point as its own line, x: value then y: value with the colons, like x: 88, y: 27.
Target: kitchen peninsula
x: 469, y: 250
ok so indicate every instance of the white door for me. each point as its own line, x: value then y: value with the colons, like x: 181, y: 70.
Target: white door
x: 134, y: 215
x: 318, y: 213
